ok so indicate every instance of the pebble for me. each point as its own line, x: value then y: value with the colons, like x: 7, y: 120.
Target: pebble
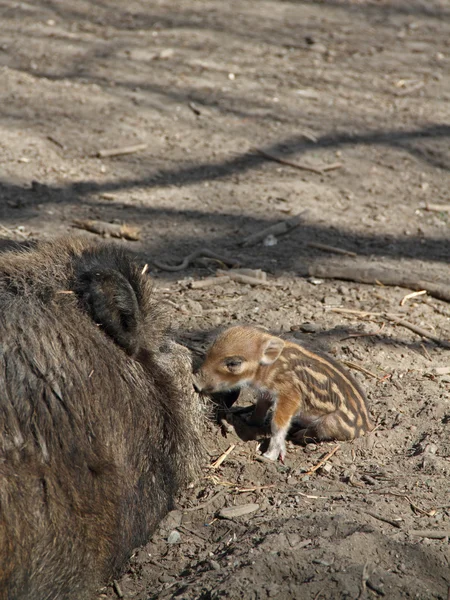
x: 215, y: 565
x: 174, y: 537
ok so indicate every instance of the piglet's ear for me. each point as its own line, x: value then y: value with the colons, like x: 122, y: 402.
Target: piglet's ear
x: 272, y: 348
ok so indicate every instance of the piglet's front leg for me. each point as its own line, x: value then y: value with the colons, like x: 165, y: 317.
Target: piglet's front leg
x: 286, y: 406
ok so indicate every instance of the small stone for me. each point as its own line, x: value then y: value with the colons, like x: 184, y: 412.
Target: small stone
x: 270, y: 240
x: 215, y: 565
x: 174, y: 537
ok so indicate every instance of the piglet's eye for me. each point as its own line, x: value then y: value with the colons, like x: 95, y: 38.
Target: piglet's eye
x: 233, y: 363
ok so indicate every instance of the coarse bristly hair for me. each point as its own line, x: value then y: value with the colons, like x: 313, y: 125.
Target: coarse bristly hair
x: 99, y: 424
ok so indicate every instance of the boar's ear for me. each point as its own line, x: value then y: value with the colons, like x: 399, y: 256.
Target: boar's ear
x: 110, y: 300
x: 271, y: 350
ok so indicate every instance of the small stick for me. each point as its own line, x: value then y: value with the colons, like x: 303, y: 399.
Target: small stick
x: 331, y: 249
x: 357, y: 367
x: 55, y: 141
x: 364, y: 578
x: 296, y: 165
x: 412, y: 295
x: 12, y: 232
x: 144, y: 269
x: 117, y: 589
x: 216, y: 464
x: 277, y: 229
x: 425, y: 351
x: 332, y: 167
x: 192, y: 532
x: 394, y: 319
x: 432, y: 534
x: 257, y: 488
x: 209, y: 282
x: 205, y: 252
x: 207, y: 503
x: 107, y: 153
x: 418, y: 330
x: 240, y: 278
x: 383, y: 519
x: 438, y: 207
x: 323, y: 461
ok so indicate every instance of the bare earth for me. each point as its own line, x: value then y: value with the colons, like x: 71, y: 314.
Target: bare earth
x: 203, y: 83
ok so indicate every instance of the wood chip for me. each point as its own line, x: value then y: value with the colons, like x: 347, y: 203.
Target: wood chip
x: 209, y: 282
x: 232, y: 512
x: 126, y: 232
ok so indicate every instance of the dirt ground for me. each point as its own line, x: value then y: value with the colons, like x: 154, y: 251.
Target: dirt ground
x: 204, y: 84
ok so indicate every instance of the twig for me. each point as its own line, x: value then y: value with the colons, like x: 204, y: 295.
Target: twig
x: 425, y: 351
x: 241, y: 278
x: 377, y: 276
x: 438, y: 207
x: 412, y: 295
x: 331, y: 249
x: 257, y: 488
x: 192, y: 532
x: 13, y: 232
x: 296, y: 165
x: 208, y: 502
x: 216, y: 464
x: 205, y: 252
x: 117, y: 589
x: 394, y: 319
x: 331, y: 167
x: 322, y: 462
x: 107, y: 153
x: 383, y: 519
x: 357, y: 367
x: 209, y: 282
x: 364, y: 578
x: 418, y: 330
x: 429, y: 513
x: 432, y: 534
x: 276, y: 229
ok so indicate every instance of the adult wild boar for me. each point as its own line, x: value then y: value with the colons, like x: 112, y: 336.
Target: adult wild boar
x: 99, y: 427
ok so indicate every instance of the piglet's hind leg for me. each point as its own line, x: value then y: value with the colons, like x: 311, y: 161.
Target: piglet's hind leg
x: 333, y: 426
x: 285, y: 409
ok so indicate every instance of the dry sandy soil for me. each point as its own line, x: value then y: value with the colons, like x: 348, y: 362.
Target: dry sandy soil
x: 204, y: 84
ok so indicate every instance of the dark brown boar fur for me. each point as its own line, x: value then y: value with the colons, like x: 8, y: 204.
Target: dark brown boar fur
x: 99, y: 426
